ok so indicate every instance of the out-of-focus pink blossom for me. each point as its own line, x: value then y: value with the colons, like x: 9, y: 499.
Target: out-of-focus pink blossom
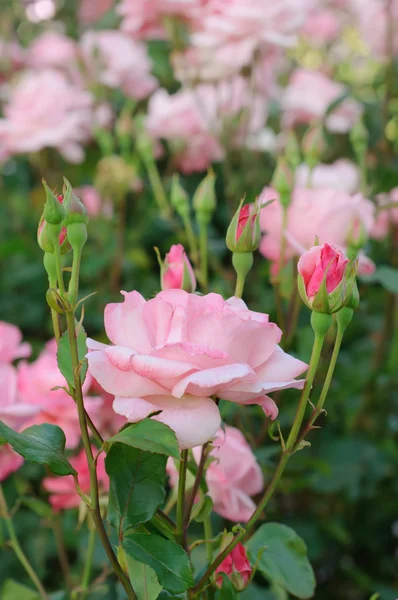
x: 10, y: 461
x: 116, y: 61
x: 35, y: 387
x: 322, y: 26
x: 91, y: 11
x: 193, y: 121
x: 92, y: 200
x: 342, y: 175
x: 63, y: 494
x: 175, y: 351
x: 52, y: 49
x: 322, y: 263
x: 12, y: 58
x: 326, y: 214
x: 237, y: 567
x: 145, y: 19
x: 11, y: 344
x: 386, y: 217
x: 232, y: 478
x: 45, y: 110
x: 372, y: 19
x: 13, y: 410
x: 308, y: 96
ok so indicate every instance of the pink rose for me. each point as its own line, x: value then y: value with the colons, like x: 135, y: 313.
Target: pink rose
x: 90, y: 12
x: 52, y: 49
x: 10, y: 461
x: 116, y: 61
x: 322, y: 26
x: 61, y: 119
x: 13, y: 411
x: 243, y: 234
x: 175, y: 351
x: 193, y: 121
x: 342, y: 175
x: 327, y: 214
x: 63, y: 494
x: 11, y: 345
x: 177, y: 272
x: 385, y: 217
x: 237, y: 567
x: 232, y: 478
x: 35, y: 386
x: 319, y: 263
x: 92, y: 200
x: 372, y: 19
x: 308, y: 96
x: 145, y: 19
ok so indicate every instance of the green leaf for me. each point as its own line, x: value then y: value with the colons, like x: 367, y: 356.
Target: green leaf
x: 143, y: 578
x: 227, y: 591
x: 386, y: 276
x: 43, y: 444
x: 375, y: 596
x: 13, y: 590
x: 284, y: 560
x: 149, y: 435
x: 64, y: 355
x: 169, y: 561
x: 136, y: 489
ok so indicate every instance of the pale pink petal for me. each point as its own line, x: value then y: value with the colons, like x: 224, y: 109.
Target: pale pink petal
x: 161, y: 368
x: 124, y: 324
x: 268, y: 405
x: 117, y: 382
x: 121, y: 357
x: 244, y: 393
x: 212, y: 381
x: 94, y: 345
x: 280, y: 366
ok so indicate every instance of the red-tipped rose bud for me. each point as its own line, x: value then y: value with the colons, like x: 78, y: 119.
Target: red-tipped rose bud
x: 177, y: 272
x: 326, y: 279
x: 237, y: 567
x: 243, y: 234
x: 46, y: 229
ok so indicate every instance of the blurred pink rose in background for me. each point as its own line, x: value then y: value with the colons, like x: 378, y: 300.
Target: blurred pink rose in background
x: 328, y: 214
x: 308, y: 96
x: 11, y: 344
x: 116, y: 61
x: 145, y: 18
x: 341, y: 175
x: 52, y: 49
x: 193, y: 121
x: 10, y: 461
x: 63, y: 494
x: 91, y: 11
x: 45, y: 110
x: 385, y: 217
x: 371, y: 18
x: 12, y: 58
x: 322, y: 26
x: 35, y: 383
x: 232, y: 478
x: 14, y: 412
x: 175, y: 351
x: 94, y: 203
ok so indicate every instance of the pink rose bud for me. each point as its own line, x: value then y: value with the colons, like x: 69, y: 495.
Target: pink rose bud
x: 177, y: 272
x: 326, y: 278
x: 243, y: 234
x: 44, y: 239
x: 237, y: 567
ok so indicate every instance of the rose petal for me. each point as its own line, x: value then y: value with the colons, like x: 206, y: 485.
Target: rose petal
x: 211, y: 381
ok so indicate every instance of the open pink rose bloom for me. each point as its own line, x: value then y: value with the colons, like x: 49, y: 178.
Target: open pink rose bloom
x: 171, y: 354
